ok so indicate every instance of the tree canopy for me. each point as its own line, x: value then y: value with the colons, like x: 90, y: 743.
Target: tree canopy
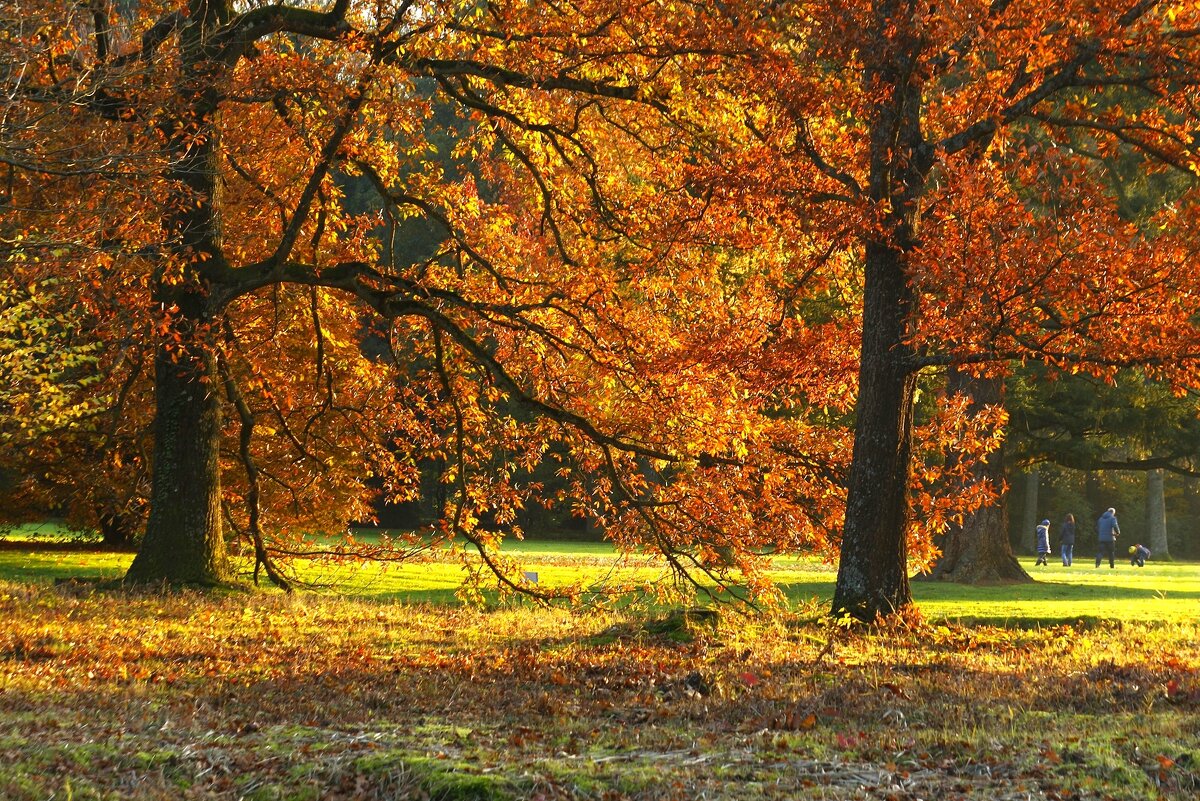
x: 698, y: 255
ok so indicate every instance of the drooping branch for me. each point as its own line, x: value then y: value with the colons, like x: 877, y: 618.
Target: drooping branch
x: 505, y: 77
x: 246, y: 416
x: 393, y: 297
x: 513, y: 388
x: 456, y: 524
x: 1126, y: 134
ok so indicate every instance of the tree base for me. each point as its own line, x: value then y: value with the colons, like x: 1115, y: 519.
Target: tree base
x: 128, y: 582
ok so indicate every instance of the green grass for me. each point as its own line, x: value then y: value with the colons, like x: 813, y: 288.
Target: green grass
x: 43, y: 567
x: 48, y: 531
x: 1161, y: 591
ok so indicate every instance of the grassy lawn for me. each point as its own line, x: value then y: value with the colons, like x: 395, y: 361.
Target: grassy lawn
x: 347, y: 694
x: 1161, y: 591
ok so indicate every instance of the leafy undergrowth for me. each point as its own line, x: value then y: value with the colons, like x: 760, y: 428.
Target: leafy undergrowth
x: 153, y: 696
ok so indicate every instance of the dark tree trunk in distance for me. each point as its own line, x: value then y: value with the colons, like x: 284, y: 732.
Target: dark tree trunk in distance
x: 978, y: 551
x: 117, y: 532
x: 1029, y: 510
x: 1085, y: 528
x: 1156, y: 515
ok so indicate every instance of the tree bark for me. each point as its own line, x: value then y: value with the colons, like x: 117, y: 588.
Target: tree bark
x: 978, y: 551
x: 1156, y: 515
x: 184, y: 541
x: 873, y: 564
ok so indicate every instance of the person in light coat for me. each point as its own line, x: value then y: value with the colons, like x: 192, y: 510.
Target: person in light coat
x: 1043, y: 542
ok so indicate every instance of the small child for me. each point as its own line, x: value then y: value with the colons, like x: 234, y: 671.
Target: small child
x: 1043, y: 542
x: 1138, y: 554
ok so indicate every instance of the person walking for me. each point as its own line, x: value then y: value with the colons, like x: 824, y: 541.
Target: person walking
x: 1043, y: 543
x: 1066, y: 538
x: 1108, y: 532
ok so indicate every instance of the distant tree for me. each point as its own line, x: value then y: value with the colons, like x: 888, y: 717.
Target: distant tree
x: 975, y: 549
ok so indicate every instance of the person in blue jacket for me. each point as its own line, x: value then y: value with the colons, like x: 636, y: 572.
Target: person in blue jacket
x: 1108, y: 532
x: 1066, y: 536
x: 1043, y: 542
x: 1138, y: 554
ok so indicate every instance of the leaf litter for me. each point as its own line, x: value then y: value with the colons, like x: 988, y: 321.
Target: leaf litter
x: 185, y: 695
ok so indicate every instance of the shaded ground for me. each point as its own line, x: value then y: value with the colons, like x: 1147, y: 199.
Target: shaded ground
x: 147, y: 696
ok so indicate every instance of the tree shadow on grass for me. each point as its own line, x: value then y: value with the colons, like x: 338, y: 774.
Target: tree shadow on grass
x: 1038, y: 603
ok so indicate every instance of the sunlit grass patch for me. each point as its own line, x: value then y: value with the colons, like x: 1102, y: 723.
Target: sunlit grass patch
x: 44, y: 567
x: 1161, y: 591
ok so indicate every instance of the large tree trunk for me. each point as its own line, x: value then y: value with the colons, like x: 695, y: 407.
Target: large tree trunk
x: 873, y: 566
x: 184, y: 542
x: 1156, y: 515
x: 978, y: 551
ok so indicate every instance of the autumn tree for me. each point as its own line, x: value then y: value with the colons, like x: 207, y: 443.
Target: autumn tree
x: 978, y: 548
x: 66, y: 446
x: 938, y: 145
x: 191, y: 160
x: 683, y: 233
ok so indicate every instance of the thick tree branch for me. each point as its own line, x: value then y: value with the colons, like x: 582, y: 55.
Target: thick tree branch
x: 240, y: 35
x: 1126, y: 135
x: 502, y: 76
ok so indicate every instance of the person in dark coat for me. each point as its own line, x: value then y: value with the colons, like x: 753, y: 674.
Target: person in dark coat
x: 1108, y: 531
x: 1138, y: 554
x: 1043, y: 542
x: 1066, y: 539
